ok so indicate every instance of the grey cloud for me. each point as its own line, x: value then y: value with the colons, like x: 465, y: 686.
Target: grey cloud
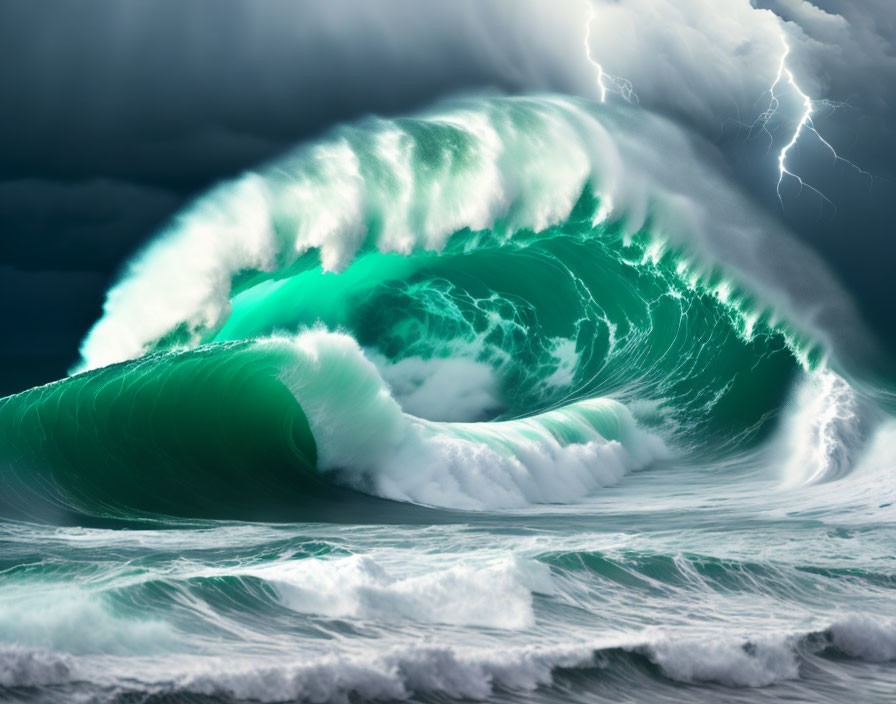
x: 76, y: 226
x: 133, y: 76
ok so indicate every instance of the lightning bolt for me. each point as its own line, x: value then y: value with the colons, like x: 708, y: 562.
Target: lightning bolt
x: 805, y: 124
x: 606, y: 82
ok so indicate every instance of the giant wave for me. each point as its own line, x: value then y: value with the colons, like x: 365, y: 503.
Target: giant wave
x: 502, y: 302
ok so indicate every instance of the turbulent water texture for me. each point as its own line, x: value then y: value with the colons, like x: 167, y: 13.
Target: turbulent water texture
x: 540, y: 398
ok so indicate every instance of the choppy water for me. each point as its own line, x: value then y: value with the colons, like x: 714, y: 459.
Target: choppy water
x: 500, y: 402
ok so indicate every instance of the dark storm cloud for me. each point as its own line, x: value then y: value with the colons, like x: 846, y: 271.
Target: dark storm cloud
x: 73, y: 226
x: 43, y: 313
x: 176, y: 92
x: 848, y: 51
x: 60, y: 247
x: 114, y: 113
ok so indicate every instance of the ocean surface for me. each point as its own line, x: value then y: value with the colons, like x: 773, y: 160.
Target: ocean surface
x: 518, y: 399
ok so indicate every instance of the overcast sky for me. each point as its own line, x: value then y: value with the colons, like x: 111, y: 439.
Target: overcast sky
x: 117, y: 113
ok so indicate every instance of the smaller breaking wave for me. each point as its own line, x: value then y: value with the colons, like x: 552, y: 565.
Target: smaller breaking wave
x: 401, y: 673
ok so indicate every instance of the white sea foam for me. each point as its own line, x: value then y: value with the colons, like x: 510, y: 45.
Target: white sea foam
x: 766, y: 660
x: 822, y: 432
x: 725, y: 661
x: 861, y: 636
x: 441, y: 389
x: 495, y: 595
x: 28, y: 667
x: 63, y: 618
x: 364, y: 437
x: 865, y: 493
x: 395, y: 674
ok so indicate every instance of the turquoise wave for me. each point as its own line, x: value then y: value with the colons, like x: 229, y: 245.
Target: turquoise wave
x: 465, y: 309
